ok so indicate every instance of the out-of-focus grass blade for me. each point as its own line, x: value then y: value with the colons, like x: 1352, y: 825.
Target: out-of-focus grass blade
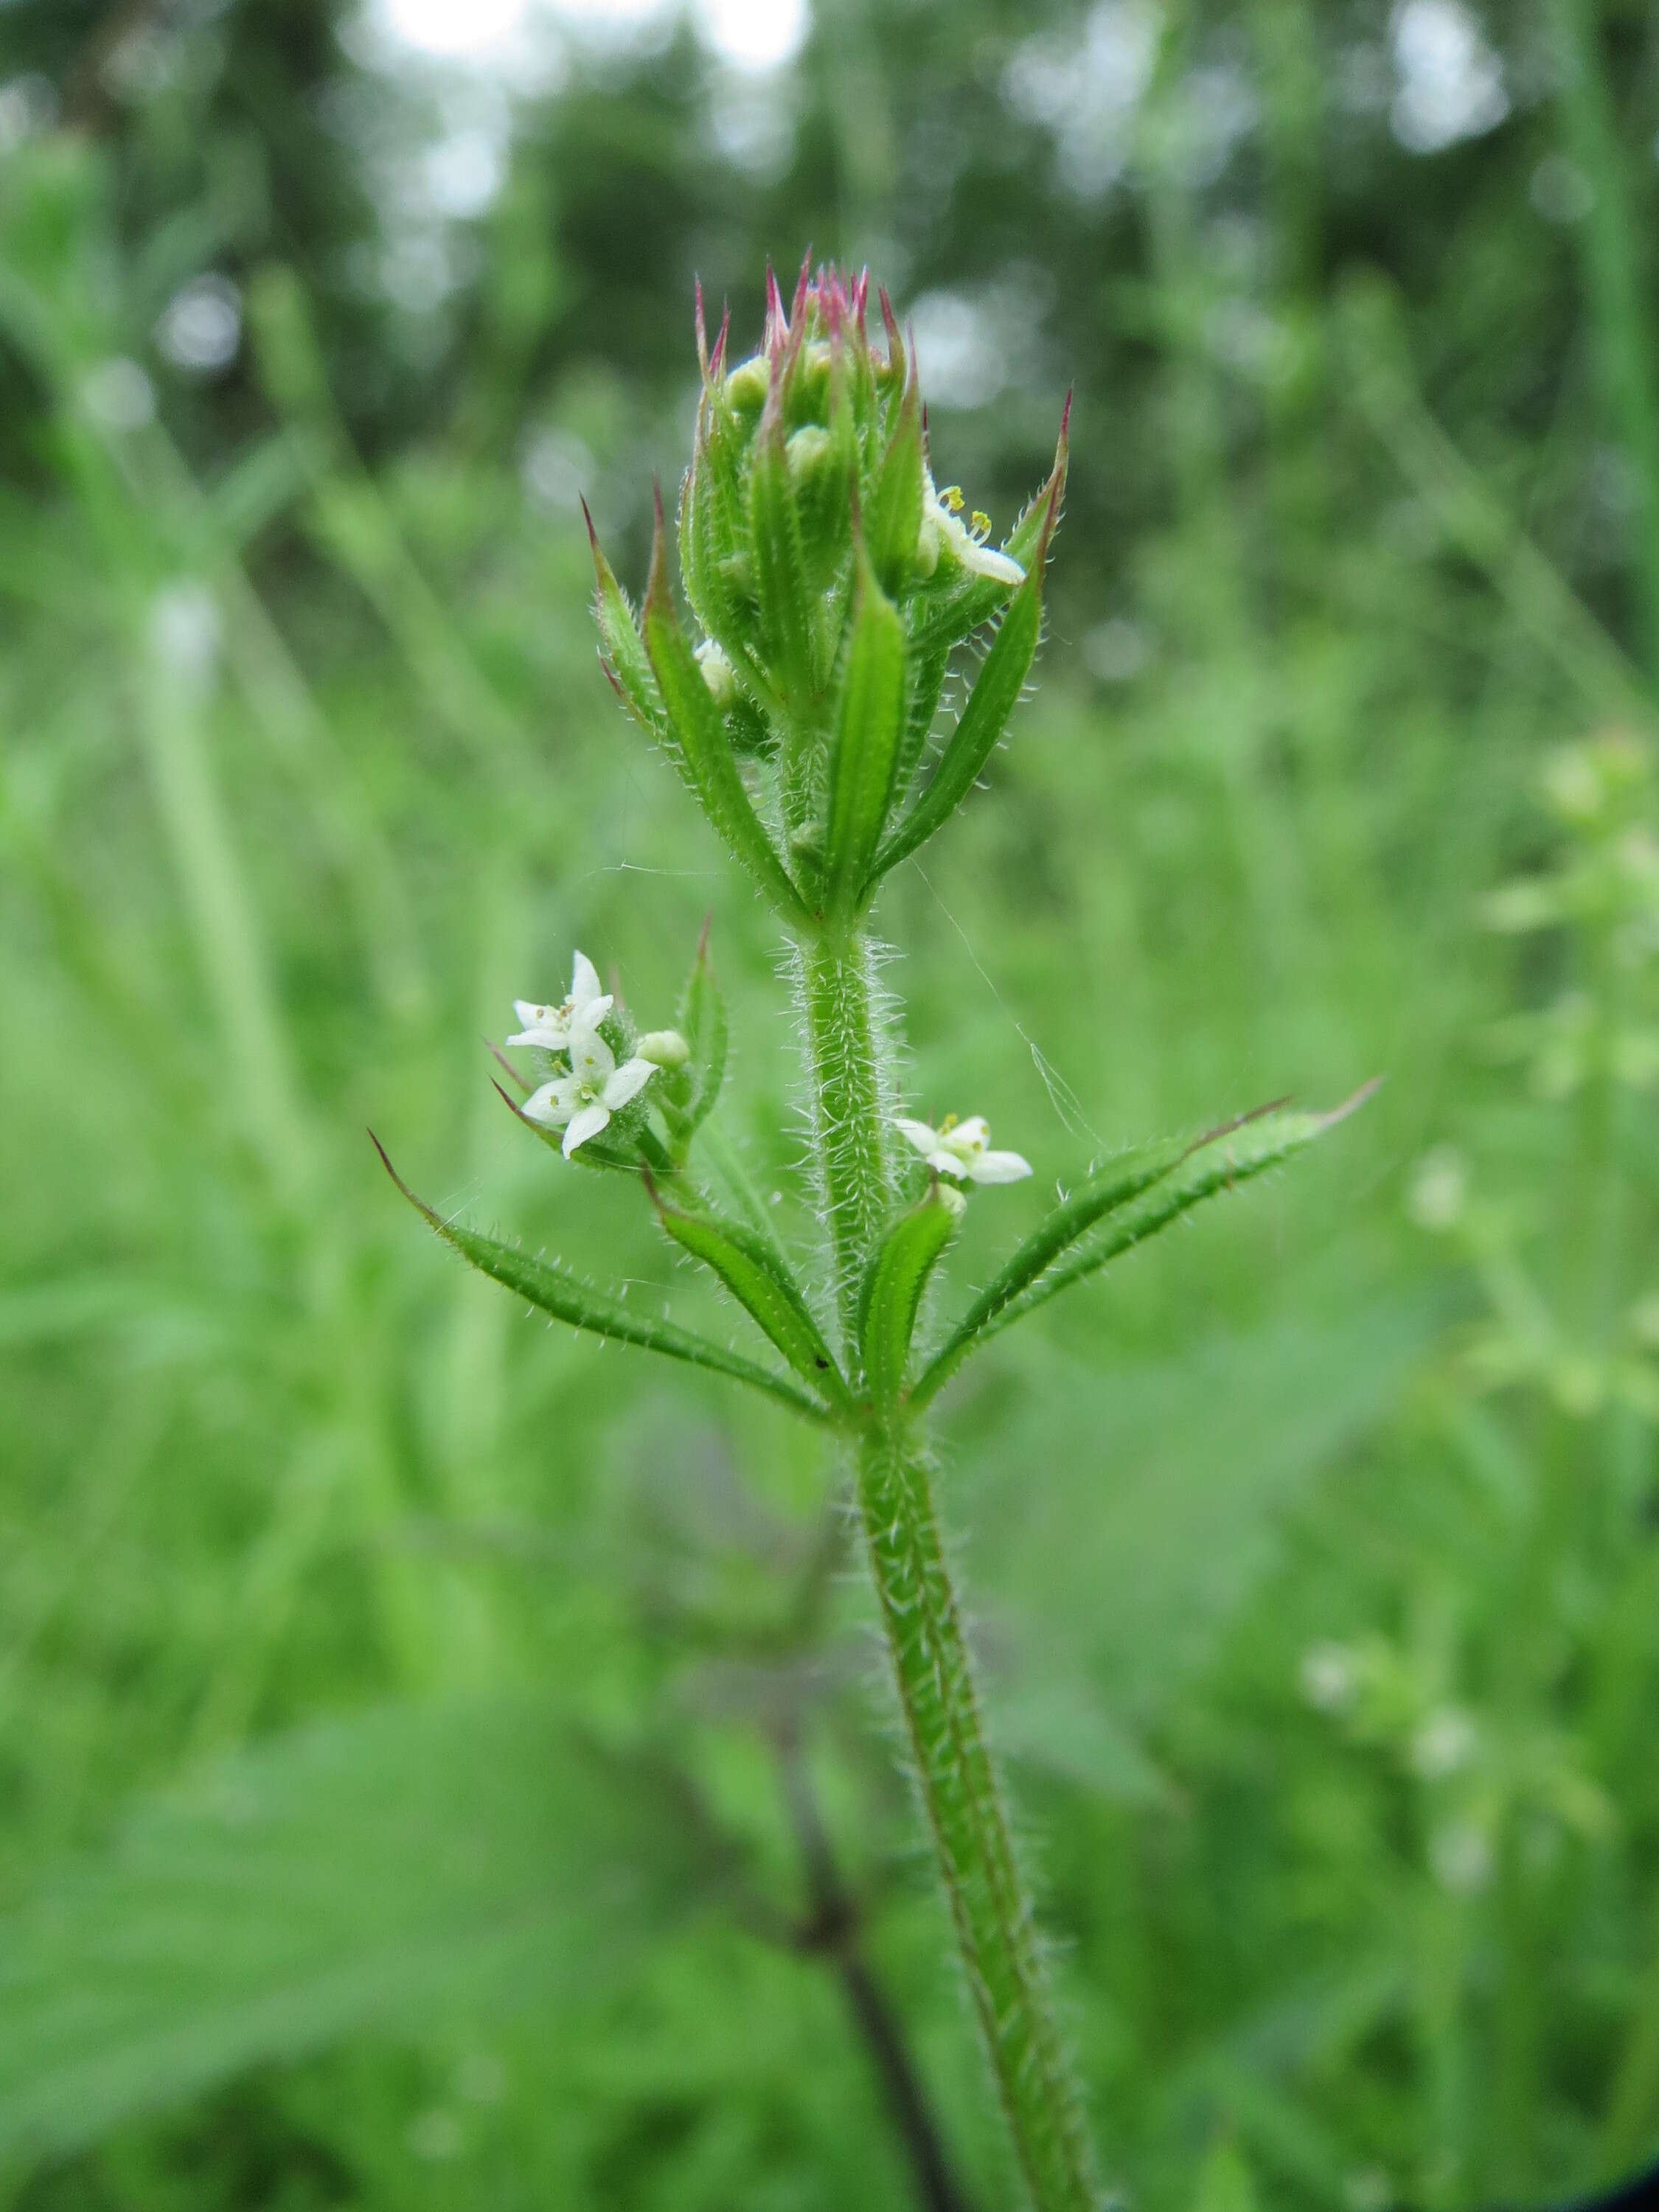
x: 1164, y: 1485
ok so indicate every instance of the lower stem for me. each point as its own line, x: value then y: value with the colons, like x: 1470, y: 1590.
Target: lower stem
x: 962, y: 1797
x: 960, y: 1792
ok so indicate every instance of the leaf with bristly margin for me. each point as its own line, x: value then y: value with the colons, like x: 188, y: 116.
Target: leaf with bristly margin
x: 713, y: 514
x: 995, y: 694
x: 753, y: 1270
x: 1221, y: 1161
x: 865, y: 748
x: 703, y: 1025
x: 781, y: 585
x: 411, y: 1863
x: 622, y: 650
x: 559, y: 1293
x: 924, y: 688
x: 893, y: 521
x: 893, y: 1290
x: 701, y: 741
x: 1117, y: 1184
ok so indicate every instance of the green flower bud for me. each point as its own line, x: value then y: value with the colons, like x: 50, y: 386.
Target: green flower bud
x: 806, y: 452
x: 717, y: 674
x: 746, y: 386
x: 664, y: 1048
x: 831, y: 580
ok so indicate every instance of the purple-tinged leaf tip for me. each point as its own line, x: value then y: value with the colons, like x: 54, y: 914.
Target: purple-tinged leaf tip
x: 895, y: 343
x: 777, y: 323
x: 657, y: 598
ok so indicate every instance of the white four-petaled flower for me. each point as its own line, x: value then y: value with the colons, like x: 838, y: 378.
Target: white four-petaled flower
x: 549, y: 1029
x: 944, y: 531
x: 961, y: 1150
x: 582, y: 1102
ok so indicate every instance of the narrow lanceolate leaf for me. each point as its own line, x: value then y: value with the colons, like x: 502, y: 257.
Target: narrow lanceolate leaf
x: 623, y: 651
x: 893, y: 521
x: 785, y: 595
x: 1119, y: 1184
x: 703, y: 1025
x: 704, y: 746
x: 892, y: 1298
x: 557, y: 1292
x: 714, y: 529
x: 926, y: 686
x: 1219, y: 1162
x: 984, y: 718
x: 864, y: 753
x: 753, y: 1270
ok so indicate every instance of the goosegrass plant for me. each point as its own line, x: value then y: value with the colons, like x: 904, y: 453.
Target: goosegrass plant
x: 831, y: 586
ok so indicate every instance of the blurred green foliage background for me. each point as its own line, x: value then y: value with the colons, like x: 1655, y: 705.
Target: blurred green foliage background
x: 442, y: 1765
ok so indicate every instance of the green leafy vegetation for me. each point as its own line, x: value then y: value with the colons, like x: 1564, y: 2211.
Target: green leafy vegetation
x: 441, y: 1756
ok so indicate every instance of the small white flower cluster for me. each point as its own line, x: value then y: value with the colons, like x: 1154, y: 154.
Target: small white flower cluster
x: 961, y: 1150
x: 581, y: 1101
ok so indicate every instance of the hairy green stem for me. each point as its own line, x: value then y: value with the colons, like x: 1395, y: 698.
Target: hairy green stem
x: 960, y: 1793
x: 836, y: 979
x: 964, y: 1802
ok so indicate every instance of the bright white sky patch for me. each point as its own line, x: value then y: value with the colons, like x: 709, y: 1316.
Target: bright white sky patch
x: 754, y: 34
x: 1087, y: 92
x: 1449, y: 83
x: 453, y: 27
x: 608, y: 22
x: 747, y: 34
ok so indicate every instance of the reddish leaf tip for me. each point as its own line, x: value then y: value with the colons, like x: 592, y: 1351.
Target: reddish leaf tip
x: 889, y: 323
x: 1351, y: 1105
x: 385, y: 1162
x: 503, y: 1062
x: 658, y: 599
x: 777, y: 323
